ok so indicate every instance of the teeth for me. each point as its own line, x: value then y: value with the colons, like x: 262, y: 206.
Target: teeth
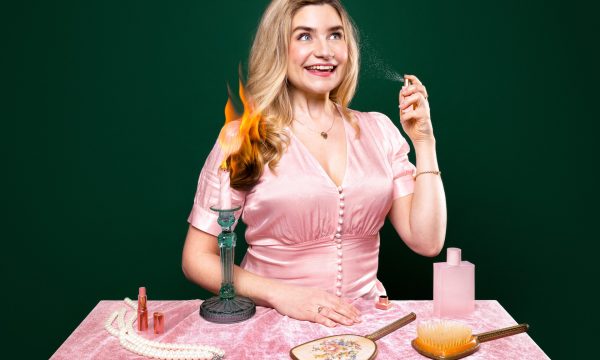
x: 320, y: 67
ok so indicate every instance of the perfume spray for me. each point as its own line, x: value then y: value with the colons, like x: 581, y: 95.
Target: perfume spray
x: 453, y: 286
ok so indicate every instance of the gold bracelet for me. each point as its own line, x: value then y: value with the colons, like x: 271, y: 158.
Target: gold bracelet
x: 435, y: 172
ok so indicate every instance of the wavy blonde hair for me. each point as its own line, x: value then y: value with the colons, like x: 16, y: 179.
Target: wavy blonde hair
x: 269, y: 89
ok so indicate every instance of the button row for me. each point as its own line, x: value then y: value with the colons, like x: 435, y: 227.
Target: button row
x: 338, y: 241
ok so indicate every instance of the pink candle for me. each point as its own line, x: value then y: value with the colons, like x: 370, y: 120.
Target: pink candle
x: 225, y: 193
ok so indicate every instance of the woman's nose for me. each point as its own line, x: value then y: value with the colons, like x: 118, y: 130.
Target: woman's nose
x: 323, y: 50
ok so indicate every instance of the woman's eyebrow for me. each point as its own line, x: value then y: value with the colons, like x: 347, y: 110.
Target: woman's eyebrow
x: 309, y: 29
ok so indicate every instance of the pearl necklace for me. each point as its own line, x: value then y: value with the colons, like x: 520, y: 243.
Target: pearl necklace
x: 131, y: 341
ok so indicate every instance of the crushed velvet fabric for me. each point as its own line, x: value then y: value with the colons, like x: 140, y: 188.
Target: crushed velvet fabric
x: 269, y: 335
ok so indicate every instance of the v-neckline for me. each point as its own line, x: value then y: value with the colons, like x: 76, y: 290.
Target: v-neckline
x: 318, y: 164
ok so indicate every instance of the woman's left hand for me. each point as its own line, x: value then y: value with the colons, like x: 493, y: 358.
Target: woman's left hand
x: 414, y: 111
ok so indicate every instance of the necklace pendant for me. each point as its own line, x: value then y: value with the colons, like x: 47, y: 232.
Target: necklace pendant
x: 324, y: 135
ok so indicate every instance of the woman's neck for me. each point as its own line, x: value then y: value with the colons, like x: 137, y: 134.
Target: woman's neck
x: 314, y: 108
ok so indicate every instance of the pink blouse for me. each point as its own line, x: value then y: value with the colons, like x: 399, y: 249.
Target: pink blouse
x: 304, y: 230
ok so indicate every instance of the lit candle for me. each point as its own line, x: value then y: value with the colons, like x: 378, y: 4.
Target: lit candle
x: 225, y: 193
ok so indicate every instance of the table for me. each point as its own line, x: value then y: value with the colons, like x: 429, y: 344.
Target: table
x: 269, y: 335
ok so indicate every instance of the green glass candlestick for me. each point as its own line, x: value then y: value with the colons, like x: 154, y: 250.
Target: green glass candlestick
x: 227, y: 307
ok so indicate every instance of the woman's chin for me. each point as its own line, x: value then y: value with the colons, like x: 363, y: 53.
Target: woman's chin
x: 317, y: 90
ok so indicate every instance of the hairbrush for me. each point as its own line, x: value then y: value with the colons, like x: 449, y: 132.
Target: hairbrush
x: 450, y: 340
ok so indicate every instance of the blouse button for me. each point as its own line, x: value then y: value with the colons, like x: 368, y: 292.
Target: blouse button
x: 338, y: 293
x: 341, y: 221
x: 339, y: 253
x: 342, y: 204
x: 339, y: 229
x: 339, y: 276
x: 342, y: 196
x: 340, y: 268
x: 341, y: 213
x: 338, y: 235
x: 338, y: 284
x: 340, y: 189
x: 339, y: 241
x: 339, y: 246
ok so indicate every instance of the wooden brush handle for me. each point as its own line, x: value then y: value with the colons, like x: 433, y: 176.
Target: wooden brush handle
x: 500, y: 333
x: 392, y: 327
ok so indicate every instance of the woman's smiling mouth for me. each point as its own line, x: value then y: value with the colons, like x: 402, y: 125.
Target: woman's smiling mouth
x: 321, y: 69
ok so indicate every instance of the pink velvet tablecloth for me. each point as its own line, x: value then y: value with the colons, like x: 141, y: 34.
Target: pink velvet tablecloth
x: 269, y: 335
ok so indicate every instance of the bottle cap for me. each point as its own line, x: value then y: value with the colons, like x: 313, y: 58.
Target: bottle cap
x: 453, y: 256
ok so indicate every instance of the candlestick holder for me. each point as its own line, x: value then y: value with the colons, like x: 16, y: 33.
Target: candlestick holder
x: 227, y: 307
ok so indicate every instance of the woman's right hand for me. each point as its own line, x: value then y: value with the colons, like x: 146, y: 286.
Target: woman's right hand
x: 314, y: 305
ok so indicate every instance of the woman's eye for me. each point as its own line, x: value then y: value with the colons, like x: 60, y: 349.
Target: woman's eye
x: 336, y: 35
x: 304, y: 36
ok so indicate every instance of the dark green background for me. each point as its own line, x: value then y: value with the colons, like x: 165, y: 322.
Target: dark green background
x: 109, y: 109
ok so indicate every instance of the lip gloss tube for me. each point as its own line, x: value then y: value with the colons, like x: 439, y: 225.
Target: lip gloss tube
x: 142, y: 310
x: 159, y: 323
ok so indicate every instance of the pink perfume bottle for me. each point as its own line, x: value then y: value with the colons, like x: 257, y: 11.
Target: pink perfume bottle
x: 453, y: 286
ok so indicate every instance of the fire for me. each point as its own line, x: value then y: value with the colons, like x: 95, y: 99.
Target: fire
x: 239, y: 132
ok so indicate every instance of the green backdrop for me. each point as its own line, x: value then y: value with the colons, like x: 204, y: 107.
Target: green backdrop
x: 110, y: 108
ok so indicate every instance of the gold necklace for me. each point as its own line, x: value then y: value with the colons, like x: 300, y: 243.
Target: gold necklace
x: 323, y: 134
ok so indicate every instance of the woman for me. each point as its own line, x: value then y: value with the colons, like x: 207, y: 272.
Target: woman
x: 313, y: 214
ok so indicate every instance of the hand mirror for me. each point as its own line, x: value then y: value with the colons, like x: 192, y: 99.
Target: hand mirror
x: 347, y: 346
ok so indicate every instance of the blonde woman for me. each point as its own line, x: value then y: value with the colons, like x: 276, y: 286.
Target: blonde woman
x: 315, y: 190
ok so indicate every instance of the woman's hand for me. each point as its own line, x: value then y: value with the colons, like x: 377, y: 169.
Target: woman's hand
x: 314, y: 305
x: 414, y: 111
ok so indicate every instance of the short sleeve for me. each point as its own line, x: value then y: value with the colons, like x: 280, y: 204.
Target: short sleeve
x: 397, y: 148
x: 207, y: 195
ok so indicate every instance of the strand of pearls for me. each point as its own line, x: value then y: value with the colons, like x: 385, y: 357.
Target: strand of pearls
x: 131, y: 341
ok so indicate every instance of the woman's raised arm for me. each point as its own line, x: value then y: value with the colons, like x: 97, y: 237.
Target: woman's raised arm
x: 420, y: 218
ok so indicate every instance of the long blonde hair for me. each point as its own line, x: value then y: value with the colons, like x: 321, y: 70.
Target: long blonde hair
x: 269, y: 89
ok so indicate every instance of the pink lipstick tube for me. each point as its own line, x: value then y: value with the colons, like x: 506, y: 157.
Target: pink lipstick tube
x: 142, y: 310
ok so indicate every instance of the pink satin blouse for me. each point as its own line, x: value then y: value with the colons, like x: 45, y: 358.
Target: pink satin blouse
x: 301, y: 228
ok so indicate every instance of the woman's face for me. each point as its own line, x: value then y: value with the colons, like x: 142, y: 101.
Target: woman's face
x: 317, y: 53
